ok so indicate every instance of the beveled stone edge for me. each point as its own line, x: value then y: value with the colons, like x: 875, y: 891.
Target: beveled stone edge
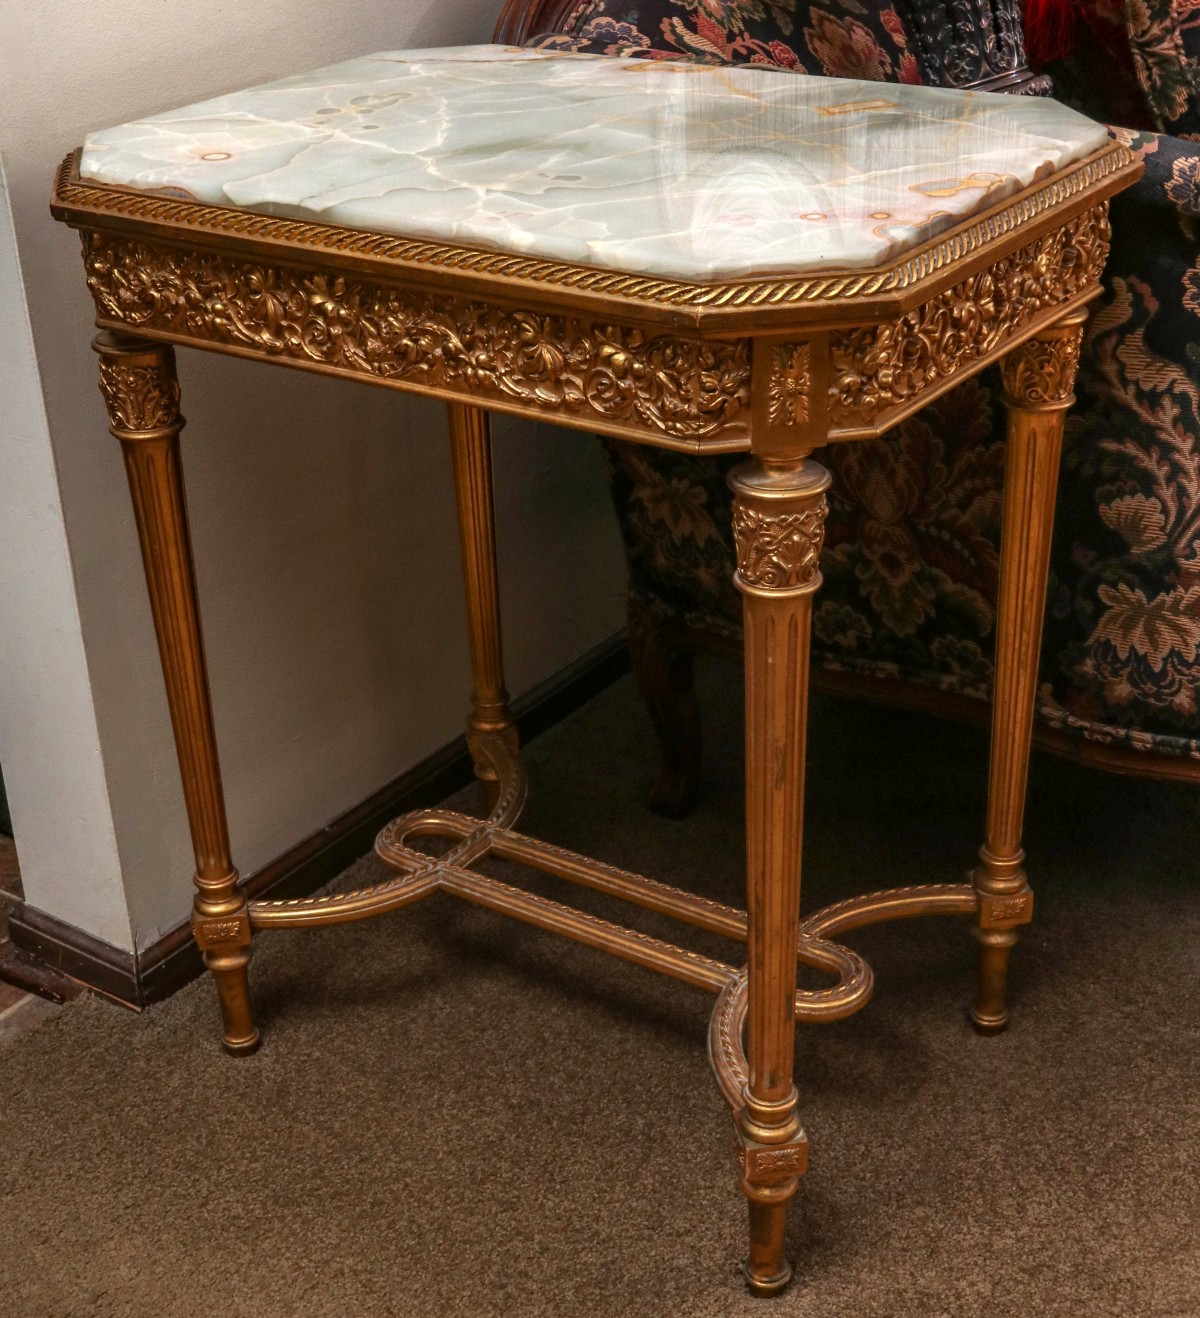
x: 83, y: 204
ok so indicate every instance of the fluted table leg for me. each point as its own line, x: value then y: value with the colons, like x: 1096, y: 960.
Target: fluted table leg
x: 778, y: 521
x: 471, y: 449
x: 141, y: 393
x: 1039, y: 376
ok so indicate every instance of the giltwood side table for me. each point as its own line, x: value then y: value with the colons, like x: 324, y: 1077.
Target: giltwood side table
x: 707, y: 259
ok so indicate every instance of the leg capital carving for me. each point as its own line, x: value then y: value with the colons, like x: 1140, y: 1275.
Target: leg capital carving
x: 779, y: 525
x: 137, y: 380
x: 1039, y: 374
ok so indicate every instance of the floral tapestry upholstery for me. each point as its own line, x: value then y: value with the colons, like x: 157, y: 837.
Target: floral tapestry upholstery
x: 1164, y: 41
x: 840, y: 38
x: 912, y: 549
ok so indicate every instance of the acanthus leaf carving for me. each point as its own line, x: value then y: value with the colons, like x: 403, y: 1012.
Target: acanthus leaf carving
x: 139, y: 395
x: 779, y: 550
x: 1041, y: 371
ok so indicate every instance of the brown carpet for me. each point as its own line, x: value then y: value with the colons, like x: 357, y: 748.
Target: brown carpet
x: 456, y: 1115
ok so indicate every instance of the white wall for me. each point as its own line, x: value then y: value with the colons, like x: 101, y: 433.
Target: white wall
x: 55, y: 780
x: 321, y: 510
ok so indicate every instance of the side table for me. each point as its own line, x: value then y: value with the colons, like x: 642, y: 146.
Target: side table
x: 765, y: 264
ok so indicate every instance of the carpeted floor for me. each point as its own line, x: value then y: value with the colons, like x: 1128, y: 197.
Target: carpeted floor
x: 456, y: 1115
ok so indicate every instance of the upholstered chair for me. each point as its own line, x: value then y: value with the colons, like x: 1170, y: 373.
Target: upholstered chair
x: 907, y: 610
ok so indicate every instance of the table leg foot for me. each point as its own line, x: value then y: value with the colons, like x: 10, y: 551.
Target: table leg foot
x: 989, y: 1012
x: 767, y: 1270
x: 243, y: 1049
x: 230, y: 971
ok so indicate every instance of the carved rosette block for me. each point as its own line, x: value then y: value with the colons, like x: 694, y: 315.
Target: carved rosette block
x: 229, y: 931
x: 1006, y: 912
x: 765, y: 1165
x: 790, y: 383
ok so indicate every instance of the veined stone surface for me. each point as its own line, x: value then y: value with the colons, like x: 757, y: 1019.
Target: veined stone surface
x: 678, y: 170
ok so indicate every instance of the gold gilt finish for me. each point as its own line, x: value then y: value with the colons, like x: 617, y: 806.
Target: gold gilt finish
x: 141, y: 393
x: 877, y: 371
x: 655, y: 361
x: 516, y: 358
x: 1038, y: 379
x: 778, y: 526
x: 772, y: 367
x: 471, y: 452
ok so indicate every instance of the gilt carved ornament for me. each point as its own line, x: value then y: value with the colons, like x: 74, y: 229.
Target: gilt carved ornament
x: 139, y: 395
x: 562, y: 364
x: 884, y: 367
x: 1041, y: 372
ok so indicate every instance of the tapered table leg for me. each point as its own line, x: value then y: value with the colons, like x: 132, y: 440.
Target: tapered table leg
x: 137, y: 379
x: 1039, y: 376
x: 778, y: 521
x: 471, y: 450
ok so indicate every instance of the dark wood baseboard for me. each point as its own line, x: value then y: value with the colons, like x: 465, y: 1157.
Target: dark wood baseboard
x: 136, y: 979
x: 68, y: 952
x: 34, y: 976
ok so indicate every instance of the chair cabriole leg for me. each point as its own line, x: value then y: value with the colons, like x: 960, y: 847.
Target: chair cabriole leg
x: 664, y: 668
x: 137, y: 379
x: 1039, y: 376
